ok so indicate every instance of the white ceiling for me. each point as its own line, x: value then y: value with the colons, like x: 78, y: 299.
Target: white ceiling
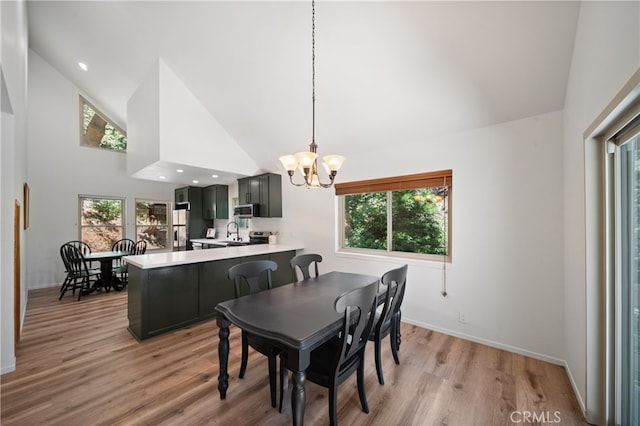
x: 386, y: 72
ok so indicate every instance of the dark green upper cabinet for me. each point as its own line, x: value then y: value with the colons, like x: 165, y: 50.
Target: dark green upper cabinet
x: 182, y: 195
x: 264, y: 190
x: 215, y: 202
x: 191, y: 195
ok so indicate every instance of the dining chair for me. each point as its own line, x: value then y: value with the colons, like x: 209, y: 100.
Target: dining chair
x: 247, y: 275
x: 336, y: 360
x: 83, y: 247
x: 303, y: 262
x: 77, y: 270
x: 80, y: 245
x: 387, y: 320
x: 119, y: 266
x: 140, y: 247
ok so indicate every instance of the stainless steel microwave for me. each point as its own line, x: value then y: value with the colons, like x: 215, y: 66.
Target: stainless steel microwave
x: 246, y: 210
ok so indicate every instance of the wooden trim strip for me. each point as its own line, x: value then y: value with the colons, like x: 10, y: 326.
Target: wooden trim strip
x: 397, y: 183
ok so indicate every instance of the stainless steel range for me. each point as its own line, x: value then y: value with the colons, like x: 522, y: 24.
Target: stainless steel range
x: 259, y: 237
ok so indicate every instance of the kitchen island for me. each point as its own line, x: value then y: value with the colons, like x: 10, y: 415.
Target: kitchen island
x: 171, y: 290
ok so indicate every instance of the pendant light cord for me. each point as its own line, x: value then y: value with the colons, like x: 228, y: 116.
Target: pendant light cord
x: 313, y: 72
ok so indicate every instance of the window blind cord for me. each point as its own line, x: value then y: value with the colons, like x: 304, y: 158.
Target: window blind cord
x: 443, y: 291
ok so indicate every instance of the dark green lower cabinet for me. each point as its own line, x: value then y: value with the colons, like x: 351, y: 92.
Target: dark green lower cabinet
x: 284, y: 273
x: 169, y: 298
x: 215, y: 286
x: 173, y: 297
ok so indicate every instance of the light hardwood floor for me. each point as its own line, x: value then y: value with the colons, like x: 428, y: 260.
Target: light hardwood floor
x: 78, y: 365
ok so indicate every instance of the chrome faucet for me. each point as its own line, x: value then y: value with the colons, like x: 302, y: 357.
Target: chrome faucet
x: 237, y: 231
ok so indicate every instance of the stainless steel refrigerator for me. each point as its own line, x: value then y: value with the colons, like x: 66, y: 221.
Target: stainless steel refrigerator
x: 180, y: 229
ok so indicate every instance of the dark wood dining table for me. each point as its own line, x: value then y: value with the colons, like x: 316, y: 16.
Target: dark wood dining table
x: 107, y: 278
x: 299, y: 317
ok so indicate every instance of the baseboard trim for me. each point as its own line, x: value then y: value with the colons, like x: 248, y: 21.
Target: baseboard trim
x: 583, y: 407
x: 43, y: 285
x: 9, y: 368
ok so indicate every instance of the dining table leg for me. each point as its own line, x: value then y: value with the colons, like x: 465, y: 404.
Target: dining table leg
x: 107, y: 273
x: 298, y: 397
x: 223, y: 355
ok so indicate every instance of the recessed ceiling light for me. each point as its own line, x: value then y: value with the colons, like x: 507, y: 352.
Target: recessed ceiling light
x: 179, y: 170
x: 162, y: 177
x: 215, y: 176
x: 83, y: 66
x: 194, y: 181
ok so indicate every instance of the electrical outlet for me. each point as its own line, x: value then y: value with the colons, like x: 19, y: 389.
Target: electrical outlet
x: 462, y: 317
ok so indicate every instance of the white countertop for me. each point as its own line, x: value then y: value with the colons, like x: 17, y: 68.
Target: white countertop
x: 173, y: 258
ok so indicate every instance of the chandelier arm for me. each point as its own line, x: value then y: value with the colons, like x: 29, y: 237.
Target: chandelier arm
x: 293, y: 183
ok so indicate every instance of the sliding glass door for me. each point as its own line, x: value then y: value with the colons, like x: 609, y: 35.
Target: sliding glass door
x: 628, y: 305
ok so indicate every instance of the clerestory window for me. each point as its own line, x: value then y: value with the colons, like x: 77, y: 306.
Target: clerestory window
x: 99, y: 131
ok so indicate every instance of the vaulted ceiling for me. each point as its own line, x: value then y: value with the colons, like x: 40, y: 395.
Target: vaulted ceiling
x: 386, y: 72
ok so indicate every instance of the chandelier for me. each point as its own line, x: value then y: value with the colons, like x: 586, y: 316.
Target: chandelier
x: 307, y: 161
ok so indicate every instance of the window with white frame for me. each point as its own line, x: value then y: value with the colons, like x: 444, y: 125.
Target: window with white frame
x: 152, y: 223
x: 101, y: 221
x: 408, y: 216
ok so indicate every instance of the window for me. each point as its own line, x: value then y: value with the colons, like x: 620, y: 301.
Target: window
x: 152, y: 223
x: 612, y: 200
x: 399, y: 216
x: 98, y: 131
x: 629, y: 286
x: 101, y: 221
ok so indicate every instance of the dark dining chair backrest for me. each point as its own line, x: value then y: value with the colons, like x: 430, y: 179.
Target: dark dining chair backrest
x: 388, y: 320
x: 80, y: 245
x: 358, y: 307
x: 124, y: 244
x: 248, y: 274
x: 119, y: 266
x: 73, y: 260
x: 303, y: 262
x: 140, y: 247
x: 77, y: 269
x: 395, y: 281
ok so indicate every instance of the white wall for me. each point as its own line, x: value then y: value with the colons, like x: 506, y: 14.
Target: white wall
x: 606, y: 54
x: 507, y: 269
x: 60, y: 169
x: 13, y: 165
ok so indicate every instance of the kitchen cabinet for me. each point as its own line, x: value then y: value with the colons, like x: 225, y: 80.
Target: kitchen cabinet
x: 215, y: 286
x: 196, y: 225
x: 264, y: 190
x: 215, y: 202
x: 182, y: 195
x: 172, y: 297
x: 191, y: 195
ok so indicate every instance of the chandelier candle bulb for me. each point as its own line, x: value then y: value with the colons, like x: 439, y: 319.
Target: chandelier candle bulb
x: 306, y: 160
x: 333, y: 162
x: 289, y: 162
